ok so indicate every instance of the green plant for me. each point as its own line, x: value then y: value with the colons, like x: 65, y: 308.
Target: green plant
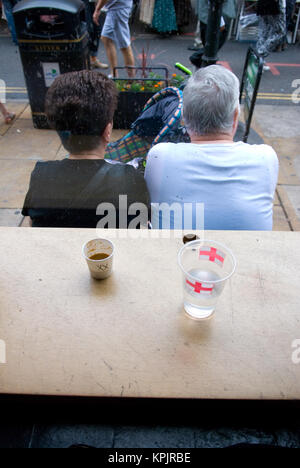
x: 153, y: 83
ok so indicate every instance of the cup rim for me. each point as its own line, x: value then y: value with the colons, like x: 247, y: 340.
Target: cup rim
x: 203, y: 241
x: 104, y: 259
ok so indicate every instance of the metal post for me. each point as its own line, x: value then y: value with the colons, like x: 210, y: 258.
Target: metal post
x: 210, y: 56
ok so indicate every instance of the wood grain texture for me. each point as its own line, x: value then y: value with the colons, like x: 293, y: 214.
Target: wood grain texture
x: 67, y: 334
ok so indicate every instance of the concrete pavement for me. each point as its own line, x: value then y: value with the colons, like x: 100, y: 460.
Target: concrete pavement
x: 279, y: 127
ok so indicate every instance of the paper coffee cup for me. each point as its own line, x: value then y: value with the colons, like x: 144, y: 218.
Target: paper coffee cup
x: 99, y: 257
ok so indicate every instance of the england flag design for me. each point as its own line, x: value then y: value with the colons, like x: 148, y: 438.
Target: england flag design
x: 196, y: 288
x: 213, y: 255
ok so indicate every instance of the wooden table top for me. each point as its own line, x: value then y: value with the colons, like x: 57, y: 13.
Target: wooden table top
x: 67, y: 334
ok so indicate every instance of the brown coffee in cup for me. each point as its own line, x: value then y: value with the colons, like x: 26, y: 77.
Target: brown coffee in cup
x: 99, y: 256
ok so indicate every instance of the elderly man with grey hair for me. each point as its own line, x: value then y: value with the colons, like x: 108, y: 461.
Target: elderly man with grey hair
x: 234, y: 182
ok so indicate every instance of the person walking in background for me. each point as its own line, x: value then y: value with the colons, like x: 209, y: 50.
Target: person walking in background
x: 290, y: 6
x: 8, y: 116
x: 95, y: 33
x: 8, y: 10
x: 116, y: 32
x: 229, y: 12
x: 164, y: 17
x: 183, y: 9
x: 272, y: 26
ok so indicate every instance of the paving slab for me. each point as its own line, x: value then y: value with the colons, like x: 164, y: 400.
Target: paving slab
x: 14, y: 182
x: 296, y: 161
x: 288, y: 207
x: 22, y: 141
x: 10, y: 218
x: 280, y: 221
x: 288, y: 150
x: 293, y: 192
x: 276, y: 199
x: 278, y: 122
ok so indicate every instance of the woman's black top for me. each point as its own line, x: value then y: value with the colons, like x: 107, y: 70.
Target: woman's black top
x: 54, y: 195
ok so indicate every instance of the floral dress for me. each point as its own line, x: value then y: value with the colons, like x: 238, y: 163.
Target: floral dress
x: 272, y: 30
x: 164, y: 16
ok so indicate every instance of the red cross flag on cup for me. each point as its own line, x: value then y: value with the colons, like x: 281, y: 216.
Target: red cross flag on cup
x: 206, y: 266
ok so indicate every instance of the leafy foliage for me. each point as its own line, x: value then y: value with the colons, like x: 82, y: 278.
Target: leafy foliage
x: 153, y: 83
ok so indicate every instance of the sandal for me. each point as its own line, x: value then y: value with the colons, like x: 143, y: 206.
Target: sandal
x: 9, y: 118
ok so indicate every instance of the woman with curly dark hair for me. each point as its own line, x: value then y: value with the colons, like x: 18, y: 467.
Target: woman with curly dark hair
x: 77, y: 191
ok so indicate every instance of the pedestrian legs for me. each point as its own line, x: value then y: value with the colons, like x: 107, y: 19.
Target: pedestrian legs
x: 264, y: 30
x: 129, y: 61
x: 111, y: 53
x: 10, y: 19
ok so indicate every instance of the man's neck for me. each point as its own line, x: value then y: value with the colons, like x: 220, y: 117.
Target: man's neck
x: 96, y: 154
x: 212, y: 139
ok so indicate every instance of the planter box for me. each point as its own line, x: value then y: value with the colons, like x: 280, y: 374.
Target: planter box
x: 131, y: 103
x: 130, y: 106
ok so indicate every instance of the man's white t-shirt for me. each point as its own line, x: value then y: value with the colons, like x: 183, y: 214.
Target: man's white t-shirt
x: 236, y: 183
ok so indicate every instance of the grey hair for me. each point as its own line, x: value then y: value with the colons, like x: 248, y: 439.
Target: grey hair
x: 210, y: 100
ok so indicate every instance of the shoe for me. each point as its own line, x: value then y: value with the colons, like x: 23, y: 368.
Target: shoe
x: 195, y: 48
x: 196, y: 58
x: 266, y: 68
x: 9, y: 118
x: 97, y: 64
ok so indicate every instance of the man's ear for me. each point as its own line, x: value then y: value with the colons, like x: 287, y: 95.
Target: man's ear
x: 107, y: 132
x: 236, y: 120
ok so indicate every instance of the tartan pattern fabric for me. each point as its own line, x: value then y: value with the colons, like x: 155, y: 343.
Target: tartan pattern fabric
x: 132, y: 146
x: 129, y: 147
x: 177, y: 115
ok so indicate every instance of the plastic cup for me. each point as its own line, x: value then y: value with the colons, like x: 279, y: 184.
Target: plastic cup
x: 99, y: 257
x: 206, y: 266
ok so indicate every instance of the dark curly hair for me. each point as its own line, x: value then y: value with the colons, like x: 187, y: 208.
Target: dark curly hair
x: 79, y: 106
